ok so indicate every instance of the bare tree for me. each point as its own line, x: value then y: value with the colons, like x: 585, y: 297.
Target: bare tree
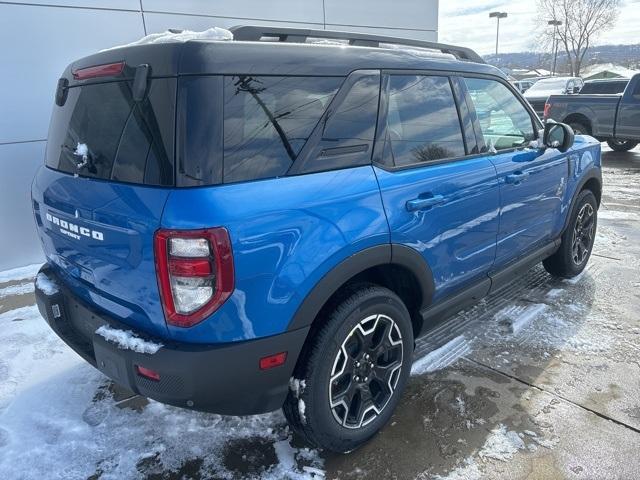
x: 582, y: 22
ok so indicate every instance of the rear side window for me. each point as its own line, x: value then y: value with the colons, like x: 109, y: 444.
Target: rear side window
x: 267, y: 121
x: 100, y: 132
x: 504, y: 120
x: 345, y: 138
x: 422, y: 120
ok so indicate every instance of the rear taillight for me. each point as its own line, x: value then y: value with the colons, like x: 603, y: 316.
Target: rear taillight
x: 547, y: 110
x: 106, y: 70
x: 195, y: 273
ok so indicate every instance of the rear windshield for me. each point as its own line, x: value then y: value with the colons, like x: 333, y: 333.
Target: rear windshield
x: 101, y: 132
x: 604, y: 87
x: 266, y: 122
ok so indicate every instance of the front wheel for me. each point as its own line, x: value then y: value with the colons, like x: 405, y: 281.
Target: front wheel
x: 351, y: 376
x: 621, y: 145
x: 577, y: 240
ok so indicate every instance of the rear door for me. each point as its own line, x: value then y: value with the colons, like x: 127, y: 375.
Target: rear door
x: 439, y: 198
x: 532, y: 181
x: 100, y: 196
x: 628, y: 120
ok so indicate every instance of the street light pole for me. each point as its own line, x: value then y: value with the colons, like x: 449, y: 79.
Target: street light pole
x: 498, y: 16
x: 555, y: 24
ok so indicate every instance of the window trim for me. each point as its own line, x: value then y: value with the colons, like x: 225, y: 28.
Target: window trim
x: 381, y: 130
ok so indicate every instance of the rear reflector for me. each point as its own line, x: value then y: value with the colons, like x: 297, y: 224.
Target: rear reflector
x: 148, y: 373
x: 273, y: 360
x: 106, y: 70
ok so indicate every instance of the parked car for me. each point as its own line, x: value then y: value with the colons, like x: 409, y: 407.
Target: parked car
x: 614, y: 118
x: 239, y: 226
x: 537, y: 95
x: 604, y: 86
x: 525, y: 84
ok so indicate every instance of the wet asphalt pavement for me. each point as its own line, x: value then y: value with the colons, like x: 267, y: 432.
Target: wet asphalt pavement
x: 539, y: 381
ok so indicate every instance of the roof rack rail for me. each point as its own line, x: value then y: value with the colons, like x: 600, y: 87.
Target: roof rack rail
x: 300, y: 35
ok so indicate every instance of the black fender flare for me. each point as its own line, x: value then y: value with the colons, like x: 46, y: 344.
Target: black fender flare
x: 386, y: 254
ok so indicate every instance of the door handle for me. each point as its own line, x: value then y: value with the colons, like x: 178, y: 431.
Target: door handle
x: 517, y: 177
x: 424, y: 203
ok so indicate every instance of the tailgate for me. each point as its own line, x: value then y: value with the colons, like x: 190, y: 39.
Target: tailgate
x: 100, y: 197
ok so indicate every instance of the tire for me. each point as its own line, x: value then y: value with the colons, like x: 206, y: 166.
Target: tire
x: 621, y: 145
x: 574, y: 252
x: 580, y: 128
x: 333, y: 368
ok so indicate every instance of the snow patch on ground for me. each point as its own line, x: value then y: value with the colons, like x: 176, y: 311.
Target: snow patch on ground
x: 214, y: 33
x: 441, y: 357
x: 44, y: 283
x: 127, y: 340
x: 20, y: 273
x: 501, y: 444
x: 554, y: 293
x: 19, y: 289
x: 469, y: 470
x: 576, y: 279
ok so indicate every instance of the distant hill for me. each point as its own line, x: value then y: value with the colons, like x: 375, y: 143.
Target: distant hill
x: 625, y: 55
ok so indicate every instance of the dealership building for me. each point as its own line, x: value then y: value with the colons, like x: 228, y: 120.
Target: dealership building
x: 40, y: 38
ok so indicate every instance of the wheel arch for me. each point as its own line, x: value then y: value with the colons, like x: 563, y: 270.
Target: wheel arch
x: 579, y: 118
x: 400, y: 268
x: 592, y: 181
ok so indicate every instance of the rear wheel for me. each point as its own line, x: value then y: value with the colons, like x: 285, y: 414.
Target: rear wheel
x: 621, y: 145
x: 579, y: 128
x: 350, y: 379
x: 577, y: 240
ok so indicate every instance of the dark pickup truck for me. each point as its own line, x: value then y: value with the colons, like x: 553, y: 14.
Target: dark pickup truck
x: 611, y: 118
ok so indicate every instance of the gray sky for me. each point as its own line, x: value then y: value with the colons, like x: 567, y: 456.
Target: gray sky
x: 467, y: 22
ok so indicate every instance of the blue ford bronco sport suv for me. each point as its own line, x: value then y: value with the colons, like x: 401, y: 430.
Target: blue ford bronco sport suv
x: 239, y: 226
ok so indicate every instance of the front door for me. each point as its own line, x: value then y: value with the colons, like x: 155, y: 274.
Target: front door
x: 532, y: 180
x: 438, y: 200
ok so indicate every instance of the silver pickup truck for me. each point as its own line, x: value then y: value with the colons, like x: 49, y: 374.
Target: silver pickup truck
x: 611, y: 118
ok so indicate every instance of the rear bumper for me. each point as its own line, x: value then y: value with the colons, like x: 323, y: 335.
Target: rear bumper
x: 224, y: 379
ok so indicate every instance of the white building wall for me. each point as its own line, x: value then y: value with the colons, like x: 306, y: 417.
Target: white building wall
x: 38, y: 40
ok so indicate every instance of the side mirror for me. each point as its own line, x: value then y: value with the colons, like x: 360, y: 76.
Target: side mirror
x: 558, y: 135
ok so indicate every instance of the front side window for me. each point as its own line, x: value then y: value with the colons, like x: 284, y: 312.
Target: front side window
x: 422, y: 120
x: 267, y: 121
x: 504, y: 121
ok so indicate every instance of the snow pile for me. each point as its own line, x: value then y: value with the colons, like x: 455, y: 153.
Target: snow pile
x: 502, y: 444
x: 127, y: 340
x: 441, y: 357
x: 516, y: 318
x: 47, y: 285
x: 20, y: 273
x: 214, y: 33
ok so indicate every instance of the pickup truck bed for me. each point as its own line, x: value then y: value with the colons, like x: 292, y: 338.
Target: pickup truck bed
x: 611, y: 118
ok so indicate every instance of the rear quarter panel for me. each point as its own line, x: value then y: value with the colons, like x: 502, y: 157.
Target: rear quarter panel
x: 286, y: 234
